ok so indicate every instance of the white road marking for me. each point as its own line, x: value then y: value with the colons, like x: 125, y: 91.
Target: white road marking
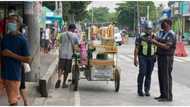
x: 178, y: 60
x: 187, y: 59
x: 77, y: 98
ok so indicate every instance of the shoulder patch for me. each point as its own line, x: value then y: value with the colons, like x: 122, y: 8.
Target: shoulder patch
x: 142, y: 34
x: 172, y: 32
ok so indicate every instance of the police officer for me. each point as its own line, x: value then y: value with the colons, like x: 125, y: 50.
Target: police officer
x: 145, y: 53
x: 166, y: 42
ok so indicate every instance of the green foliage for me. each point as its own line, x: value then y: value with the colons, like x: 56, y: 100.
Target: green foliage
x: 49, y: 4
x: 71, y: 9
x: 76, y: 9
x: 100, y: 15
x: 128, y: 12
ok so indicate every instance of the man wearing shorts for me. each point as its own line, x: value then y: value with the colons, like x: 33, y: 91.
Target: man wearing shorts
x: 68, y: 41
x: 14, y: 52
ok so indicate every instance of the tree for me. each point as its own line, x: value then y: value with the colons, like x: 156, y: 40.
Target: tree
x: 100, y: 15
x: 128, y: 13
x: 49, y: 4
x: 74, y: 10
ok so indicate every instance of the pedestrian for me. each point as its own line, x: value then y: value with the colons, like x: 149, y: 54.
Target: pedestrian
x: 53, y: 38
x: 1, y: 81
x: 145, y: 54
x: 23, y: 91
x: 14, y: 51
x: 47, y: 39
x: 41, y: 40
x: 68, y: 42
x: 166, y: 42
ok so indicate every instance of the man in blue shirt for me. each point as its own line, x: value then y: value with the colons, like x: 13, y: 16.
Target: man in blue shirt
x: 166, y: 42
x: 14, y: 51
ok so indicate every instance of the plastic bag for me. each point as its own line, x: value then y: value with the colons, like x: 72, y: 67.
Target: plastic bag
x: 26, y: 67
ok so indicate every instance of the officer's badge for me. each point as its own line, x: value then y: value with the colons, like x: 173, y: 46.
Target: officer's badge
x: 168, y: 38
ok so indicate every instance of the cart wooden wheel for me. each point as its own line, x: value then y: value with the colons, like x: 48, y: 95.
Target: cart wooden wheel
x: 75, y: 77
x: 117, y: 80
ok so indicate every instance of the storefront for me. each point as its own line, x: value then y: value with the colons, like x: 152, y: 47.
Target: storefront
x: 185, y: 12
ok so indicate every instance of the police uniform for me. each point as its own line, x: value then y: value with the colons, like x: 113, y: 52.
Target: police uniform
x: 165, y: 63
x: 146, y: 53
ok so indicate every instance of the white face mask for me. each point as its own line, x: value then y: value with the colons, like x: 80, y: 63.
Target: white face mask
x: 23, y: 31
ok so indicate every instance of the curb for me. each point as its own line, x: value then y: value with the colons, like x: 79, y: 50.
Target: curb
x: 46, y: 81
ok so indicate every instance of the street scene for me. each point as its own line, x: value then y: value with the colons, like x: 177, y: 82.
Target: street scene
x: 94, y: 53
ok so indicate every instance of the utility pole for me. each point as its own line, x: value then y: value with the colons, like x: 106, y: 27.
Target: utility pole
x: 148, y: 7
x: 183, y: 20
x: 138, y: 23
x: 56, y: 5
x: 34, y: 39
x: 92, y: 13
x: 60, y: 9
x: 134, y: 27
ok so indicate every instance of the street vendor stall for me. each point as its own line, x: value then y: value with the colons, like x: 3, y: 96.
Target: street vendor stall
x: 102, y: 62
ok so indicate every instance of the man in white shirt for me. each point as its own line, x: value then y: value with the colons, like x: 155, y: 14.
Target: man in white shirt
x: 68, y: 40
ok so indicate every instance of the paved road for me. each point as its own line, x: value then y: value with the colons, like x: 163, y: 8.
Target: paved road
x: 181, y: 64
x: 102, y: 93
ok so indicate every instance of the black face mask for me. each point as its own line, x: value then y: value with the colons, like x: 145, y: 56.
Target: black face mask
x: 148, y: 31
x: 163, y: 26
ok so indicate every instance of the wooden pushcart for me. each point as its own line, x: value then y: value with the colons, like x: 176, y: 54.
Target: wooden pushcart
x: 102, y: 65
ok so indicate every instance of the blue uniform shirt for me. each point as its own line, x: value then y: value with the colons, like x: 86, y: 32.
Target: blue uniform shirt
x: 168, y: 38
x: 11, y: 68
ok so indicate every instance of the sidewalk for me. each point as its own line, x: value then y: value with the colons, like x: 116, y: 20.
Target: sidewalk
x: 31, y: 90
x: 45, y: 61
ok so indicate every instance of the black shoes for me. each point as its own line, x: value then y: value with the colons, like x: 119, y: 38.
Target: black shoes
x: 64, y: 85
x: 163, y: 99
x: 57, y: 85
x: 157, y: 98
x: 141, y: 94
x: 147, y: 94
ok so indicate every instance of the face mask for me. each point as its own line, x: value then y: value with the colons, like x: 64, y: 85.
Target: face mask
x: 23, y: 31
x: 148, y: 31
x: 12, y: 27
